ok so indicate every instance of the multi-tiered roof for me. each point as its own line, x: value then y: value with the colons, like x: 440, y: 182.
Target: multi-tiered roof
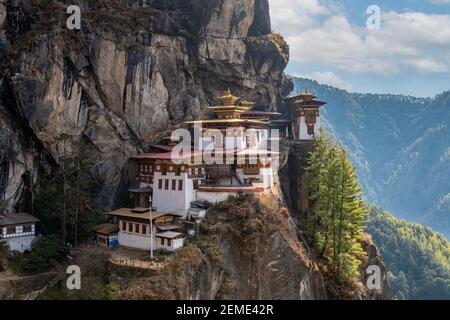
x: 305, y: 99
x: 234, y: 112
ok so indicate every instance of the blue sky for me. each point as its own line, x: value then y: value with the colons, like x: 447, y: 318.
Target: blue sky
x: 330, y: 43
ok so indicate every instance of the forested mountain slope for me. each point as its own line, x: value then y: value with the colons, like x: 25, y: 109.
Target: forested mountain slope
x: 400, y: 145
x: 418, y: 259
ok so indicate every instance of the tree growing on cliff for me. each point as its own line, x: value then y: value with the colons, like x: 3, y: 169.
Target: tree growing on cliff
x: 336, y: 219
x: 4, y: 249
x: 66, y: 203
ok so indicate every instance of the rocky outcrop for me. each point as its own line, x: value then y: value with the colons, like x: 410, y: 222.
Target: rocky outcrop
x: 263, y: 255
x: 294, y: 160
x: 249, y: 248
x: 24, y: 287
x: 136, y: 70
x: 293, y: 164
x: 374, y: 259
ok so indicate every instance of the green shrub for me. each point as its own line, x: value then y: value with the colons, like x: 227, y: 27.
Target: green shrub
x: 111, y: 291
x: 43, y: 250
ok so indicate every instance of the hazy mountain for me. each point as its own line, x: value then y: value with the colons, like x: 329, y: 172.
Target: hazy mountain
x: 400, y: 145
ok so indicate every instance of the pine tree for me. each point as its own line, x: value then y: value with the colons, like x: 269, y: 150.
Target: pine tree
x: 68, y: 197
x: 335, y: 222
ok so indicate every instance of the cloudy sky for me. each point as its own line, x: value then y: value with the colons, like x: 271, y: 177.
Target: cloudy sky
x: 331, y: 43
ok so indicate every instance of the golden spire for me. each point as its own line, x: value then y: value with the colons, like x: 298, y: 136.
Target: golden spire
x: 307, y: 93
x: 228, y: 99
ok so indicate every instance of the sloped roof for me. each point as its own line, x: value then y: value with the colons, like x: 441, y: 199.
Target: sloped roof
x: 16, y: 218
x: 169, y: 235
x: 141, y: 190
x: 145, y: 215
x: 163, y: 147
x: 106, y: 228
x: 169, y: 227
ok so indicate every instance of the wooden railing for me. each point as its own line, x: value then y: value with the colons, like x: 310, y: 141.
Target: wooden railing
x: 136, y: 263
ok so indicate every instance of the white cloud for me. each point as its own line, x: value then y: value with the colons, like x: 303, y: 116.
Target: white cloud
x: 426, y: 65
x: 440, y: 1
x: 323, y: 35
x: 329, y: 78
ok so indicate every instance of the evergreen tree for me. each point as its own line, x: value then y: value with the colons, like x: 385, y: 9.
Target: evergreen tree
x: 4, y: 249
x: 336, y: 219
x: 418, y: 258
x: 66, y: 204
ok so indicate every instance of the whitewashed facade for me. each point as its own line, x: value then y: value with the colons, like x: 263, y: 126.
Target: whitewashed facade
x: 305, y: 132
x: 306, y: 123
x: 18, y: 230
x: 172, y: 192
x: 134, y: 230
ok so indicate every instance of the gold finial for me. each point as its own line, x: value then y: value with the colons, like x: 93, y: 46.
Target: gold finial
x: 228, y: 99
x: 307, y: 93
x: 246, y: 103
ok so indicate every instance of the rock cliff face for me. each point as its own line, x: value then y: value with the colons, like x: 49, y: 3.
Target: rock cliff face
x: 263, y: 254
x: 134, y: 71
x: 249, y: 248
x: 374, y: 258
x: 292, y: 177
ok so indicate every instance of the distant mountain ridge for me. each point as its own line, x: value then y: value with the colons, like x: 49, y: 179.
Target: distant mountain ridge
x: 400, y: 145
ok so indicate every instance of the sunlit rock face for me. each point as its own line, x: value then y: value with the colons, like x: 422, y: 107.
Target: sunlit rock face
x: 135, y: 70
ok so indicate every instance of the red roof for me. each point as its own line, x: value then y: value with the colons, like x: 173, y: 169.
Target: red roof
x: 261, y: 113
x: 168, y: 155
x: 163, y: 147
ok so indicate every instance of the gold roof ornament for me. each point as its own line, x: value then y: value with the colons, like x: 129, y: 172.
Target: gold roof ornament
x: 247, y: 103
x: 228, y: 99
x: 307, y: 93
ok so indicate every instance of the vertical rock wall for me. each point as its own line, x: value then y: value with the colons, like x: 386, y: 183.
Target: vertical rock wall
x: 134, y: 71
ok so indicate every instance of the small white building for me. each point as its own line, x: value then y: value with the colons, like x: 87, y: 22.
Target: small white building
x: 105, y: 234
x: 170, y: 240
x: 135, y: 231
x: 306, y: 123
x: 18, y: 230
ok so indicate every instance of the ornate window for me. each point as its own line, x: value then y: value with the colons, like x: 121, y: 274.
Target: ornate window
x: 11, y: 230
x: 251, y: 169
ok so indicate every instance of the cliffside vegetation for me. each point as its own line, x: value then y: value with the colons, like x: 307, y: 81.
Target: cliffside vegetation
x: 399, y: 145
x: 44, y: 250
x: 133, y: 73
x: 4, y: 248
x: 66, y: 203
x: 336, y: 218
x: 263, y: 256
x: 418, y: 258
